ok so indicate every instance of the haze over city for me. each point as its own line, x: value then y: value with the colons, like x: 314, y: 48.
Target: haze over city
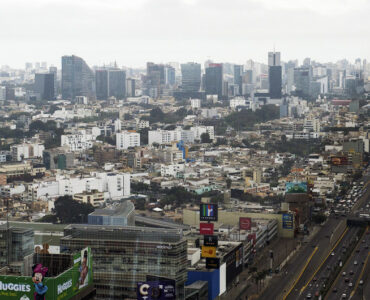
x: 133, y: 32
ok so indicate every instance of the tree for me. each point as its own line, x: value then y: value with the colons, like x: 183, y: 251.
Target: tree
x: 140, y: 204
x: 204, y: 137
x: 68, y: 210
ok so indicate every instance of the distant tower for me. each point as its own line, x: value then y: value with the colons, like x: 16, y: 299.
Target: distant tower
x: 275, y: 80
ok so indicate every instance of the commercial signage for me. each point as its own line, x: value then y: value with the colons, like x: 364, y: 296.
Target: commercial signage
x: 339, y: 161
x: 208, y: 212
x: 206, y: 228
x: 245, y: 223
x: 296, y: 187
x: 234, y: 263
x: 208, y: 251
x: 158, y: 290
x: 287, y: 221
x: 210, y: 240
x: 212, y: 263
x: 62, y: 287
x: 253, y: 237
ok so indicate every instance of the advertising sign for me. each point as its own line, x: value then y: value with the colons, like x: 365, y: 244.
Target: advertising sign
x: 339, y: 161
x: 287, y: 221
x: 234, y: 264
x: 206, y: 228
x: 295, y: 187
x: 158, y: 290
x: 212, y: 263
x: 253, y: 237
x: 208, y: 212
x: 210, y: 240
x: 208, y: 251
x: 64, y: 286
x: 245, y: 223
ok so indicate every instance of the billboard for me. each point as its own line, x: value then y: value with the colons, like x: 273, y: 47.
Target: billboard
x: 206, y: 228
x: 295, y: 187
x: 208, y: 212
x: 212, y: 263
x: 159, y: 290
x: 251, y: 237
x: 245, y: 223
x: 62, y: 287
x: 339, y: 161
x: 208, y: 251
x: 287, y: 221
x: 234, y: 263
x: 210, y: 240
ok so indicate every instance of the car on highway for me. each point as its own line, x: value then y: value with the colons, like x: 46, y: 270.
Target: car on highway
x: 344, y: 296
x: 361, y: 282
x: 346, y: 279
x: 351, y: 272
x: 350, y: 284
x: 355, y: 263
x: 309, y: 296
x: 344, y: 274
x: 332, y: 254
x: 335, y: 290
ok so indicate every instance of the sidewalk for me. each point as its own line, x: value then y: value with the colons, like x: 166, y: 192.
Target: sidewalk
x: 281, y: 248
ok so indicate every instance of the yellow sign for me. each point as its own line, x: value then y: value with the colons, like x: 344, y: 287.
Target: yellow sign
x: 208, y: 251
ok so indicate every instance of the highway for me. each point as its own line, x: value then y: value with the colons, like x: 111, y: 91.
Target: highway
x: 297, y: 273
x: 324, y: 272
x: 354, y: 271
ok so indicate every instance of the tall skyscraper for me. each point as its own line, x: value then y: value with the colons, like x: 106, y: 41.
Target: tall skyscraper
x: 214, y: 80
x: 302, y: 81
x: 130, y: 87
x: 170, y: 75
x: 110, y: 83
x: 44, y: 85
x: 238, y: 77
x: 154, y: 80
x: 117, y: 83
x: 101, y: 83
x: 275, y: 81
x: 274, y: 59
x: 77, y: 78
x: 191, y: 77
x: 54, y: 70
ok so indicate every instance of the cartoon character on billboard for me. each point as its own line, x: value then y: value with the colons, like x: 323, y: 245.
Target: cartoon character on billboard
x: 84, y: 269
x: 38, y: 274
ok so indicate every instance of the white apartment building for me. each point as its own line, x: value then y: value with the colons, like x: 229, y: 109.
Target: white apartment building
x: 127, y: 139
x: 195, y: 103
x: 199, y: 130
x: 141, y: 124
x: 310, y: 125
x: 160, y: 136
x: 113, y: 185
x: 237, y: 101
x: 80, y: 141
x: 26, y: 150
x: 171, y: 170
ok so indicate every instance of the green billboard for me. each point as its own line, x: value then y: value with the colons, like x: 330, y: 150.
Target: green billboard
x: 62, y: 287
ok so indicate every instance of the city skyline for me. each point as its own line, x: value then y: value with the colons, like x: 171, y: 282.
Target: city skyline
x: 160, y: 31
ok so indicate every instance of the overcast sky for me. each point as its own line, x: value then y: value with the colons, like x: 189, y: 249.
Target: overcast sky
x: 133, y: 32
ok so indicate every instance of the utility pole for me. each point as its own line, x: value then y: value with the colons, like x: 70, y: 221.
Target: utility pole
x: 7, y: 233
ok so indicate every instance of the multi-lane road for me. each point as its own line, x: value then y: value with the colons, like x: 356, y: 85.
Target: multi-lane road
x: 335, y: 258
x: 351, y: 276
x: 296, y: 276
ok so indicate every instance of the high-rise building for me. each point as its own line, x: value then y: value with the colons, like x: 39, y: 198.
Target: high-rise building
x: 125, y: 255
x: 127, y: 139
x: 275, y: 75
x: 191, y: 77
x: 54, y: 71
x: 302, y: 81
x: 77, y: 78
x: 44, y: 85
x: 214, y: 80
x: 170, y: 76
x: 117, y: 83
x: 130, y: 87
x: 274, y: 58
x: 101, y: 84
x: 238, y: 78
